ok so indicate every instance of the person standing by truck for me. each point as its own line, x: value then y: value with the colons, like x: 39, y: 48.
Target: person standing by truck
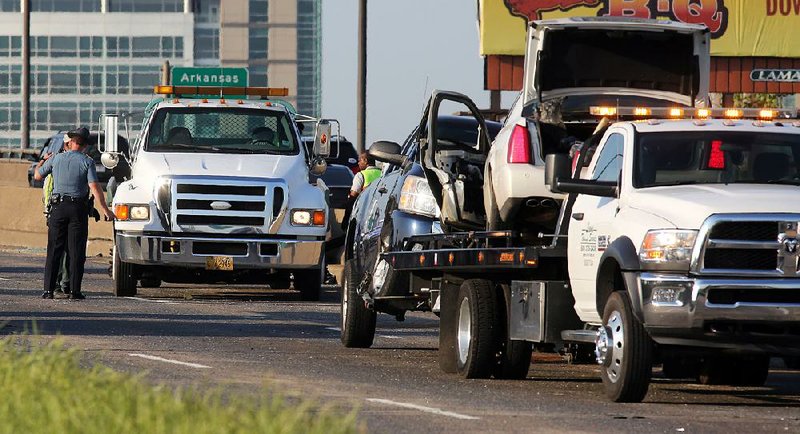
x: 367, y: 174
x: 74, y: 175
x: 47, y: 192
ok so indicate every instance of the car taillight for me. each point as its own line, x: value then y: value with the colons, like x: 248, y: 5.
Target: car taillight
x: 519, y: 146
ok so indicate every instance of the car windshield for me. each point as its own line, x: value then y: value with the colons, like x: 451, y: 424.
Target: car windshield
x: 712, y: 157
x: 221, y: 130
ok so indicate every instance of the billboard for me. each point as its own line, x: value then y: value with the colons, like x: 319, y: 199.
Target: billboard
x: 739, y: 28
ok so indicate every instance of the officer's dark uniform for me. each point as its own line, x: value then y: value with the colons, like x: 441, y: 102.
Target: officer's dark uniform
x: 72, y: 172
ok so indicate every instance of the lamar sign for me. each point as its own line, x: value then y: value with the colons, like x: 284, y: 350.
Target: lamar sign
x: 779, y: 75
x: 739, y: 28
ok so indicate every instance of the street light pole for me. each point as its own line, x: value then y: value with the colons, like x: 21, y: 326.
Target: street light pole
x: 361, y: 122
x: 26, y: 74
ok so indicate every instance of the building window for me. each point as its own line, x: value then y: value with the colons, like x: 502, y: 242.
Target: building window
x: 258, y: 43
x: 206, y: 43
x: 259, y: 11
x: 145, y: 5
x: 10, y: 6
x: 258, y: 75
x: 65, y: 5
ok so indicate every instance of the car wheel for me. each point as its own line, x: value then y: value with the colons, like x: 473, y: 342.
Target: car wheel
x: 357, y: 321
x: 513, y: 358
x: 624, y: 352
x: 124, y: 276
x: 309, y: 283
x: 476, y: 327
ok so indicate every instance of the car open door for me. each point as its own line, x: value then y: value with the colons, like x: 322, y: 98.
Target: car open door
x: 453, y: 160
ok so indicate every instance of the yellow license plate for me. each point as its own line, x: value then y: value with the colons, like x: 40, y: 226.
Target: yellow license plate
x: 223, y: 263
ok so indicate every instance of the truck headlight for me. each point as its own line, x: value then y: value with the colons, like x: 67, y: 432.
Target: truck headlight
x: 416, y: 197
x: 308, y: 217
x: 126, y: 212
x: 668, y: 246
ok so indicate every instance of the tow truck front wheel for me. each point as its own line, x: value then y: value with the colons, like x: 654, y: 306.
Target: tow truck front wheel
x: 624, y: 352
x: 358, y: 322
x: 124, y: 276
x: 475, y: 337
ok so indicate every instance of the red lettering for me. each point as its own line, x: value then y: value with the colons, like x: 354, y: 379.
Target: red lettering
x: 629, y: 8
x: 772, y: 7
x: 698, y: 12
x: 797, y: 7
x: 786, y: 7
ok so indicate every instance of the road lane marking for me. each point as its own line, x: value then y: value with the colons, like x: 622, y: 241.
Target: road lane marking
x: 422, y: 408
x: 152, y: 300
x: 177, y: 362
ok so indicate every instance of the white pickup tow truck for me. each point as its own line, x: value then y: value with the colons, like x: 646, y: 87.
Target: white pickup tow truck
x: 219, y: 191
x: 677, y: 245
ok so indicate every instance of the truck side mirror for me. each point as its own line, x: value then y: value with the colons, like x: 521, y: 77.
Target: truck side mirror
x: 322, y: 138
x: 109, y: 135
x: 388, y: 152
x: 556, y: 166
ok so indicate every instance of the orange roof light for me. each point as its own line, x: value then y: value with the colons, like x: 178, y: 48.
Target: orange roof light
x: 642, y: 111
x: 603, y: 111
x: 676, y: 112
x: 767, y: 114
x: 221, y: 91
x: 702, y: 113
x: 734, y: 113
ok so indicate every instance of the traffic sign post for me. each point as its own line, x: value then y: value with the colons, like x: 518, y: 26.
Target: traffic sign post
x: 224, y: 77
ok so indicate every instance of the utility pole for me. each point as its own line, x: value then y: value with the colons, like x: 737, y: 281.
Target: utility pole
x: 26, y: 74
x: 361, y: 122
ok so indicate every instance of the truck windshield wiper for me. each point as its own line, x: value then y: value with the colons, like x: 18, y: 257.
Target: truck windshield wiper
x: 186, y: 146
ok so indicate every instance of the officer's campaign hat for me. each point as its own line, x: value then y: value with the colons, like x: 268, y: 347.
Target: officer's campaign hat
x: 81, y: 132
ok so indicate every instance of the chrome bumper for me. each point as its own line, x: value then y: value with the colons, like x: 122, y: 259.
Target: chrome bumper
x: 689, y: 318
x: 260, y: 253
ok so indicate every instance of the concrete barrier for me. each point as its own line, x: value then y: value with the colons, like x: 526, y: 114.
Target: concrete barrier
x: 22, y: 222
x: 14, y: 172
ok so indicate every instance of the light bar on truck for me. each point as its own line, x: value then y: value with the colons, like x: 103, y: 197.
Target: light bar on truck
x: 221, y: 91
x: 764, y: 114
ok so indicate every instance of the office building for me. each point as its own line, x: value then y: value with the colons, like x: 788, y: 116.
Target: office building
x: 90, y: 57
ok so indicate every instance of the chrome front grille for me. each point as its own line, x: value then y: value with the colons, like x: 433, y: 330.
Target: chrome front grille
x: 749, y: 245
x: 225, y: 204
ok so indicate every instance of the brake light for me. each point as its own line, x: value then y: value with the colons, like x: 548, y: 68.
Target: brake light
x: 716, y: 160
x: 519, y: 146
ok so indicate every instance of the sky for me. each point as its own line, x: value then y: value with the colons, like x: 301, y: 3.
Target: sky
x: 410, y: 43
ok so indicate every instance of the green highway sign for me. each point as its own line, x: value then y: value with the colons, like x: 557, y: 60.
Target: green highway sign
x: 226, y: 77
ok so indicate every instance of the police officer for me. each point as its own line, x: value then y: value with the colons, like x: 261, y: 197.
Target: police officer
x: 74, y: 175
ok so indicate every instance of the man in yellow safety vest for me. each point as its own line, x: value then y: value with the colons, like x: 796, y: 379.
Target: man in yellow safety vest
x: 365, y: 177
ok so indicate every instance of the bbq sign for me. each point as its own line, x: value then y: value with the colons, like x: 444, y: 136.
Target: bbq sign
x: 766, y: 28
x: 711, y: 13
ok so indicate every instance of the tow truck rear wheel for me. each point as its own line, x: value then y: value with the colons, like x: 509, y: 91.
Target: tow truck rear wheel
x: 513, y: 358
x: 124, y: 276
x: 624, y: 351
x: 476, y: 328
x: 358, y: 322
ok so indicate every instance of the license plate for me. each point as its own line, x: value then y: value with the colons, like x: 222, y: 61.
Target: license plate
x: 223, y: 263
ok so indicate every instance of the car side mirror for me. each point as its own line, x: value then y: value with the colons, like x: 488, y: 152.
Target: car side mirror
x: 388, y: 152
x: 108, y: 141
x: 322, y: 138
x: 556, y: 166
x: 318, y: 166
x: 588, y: 187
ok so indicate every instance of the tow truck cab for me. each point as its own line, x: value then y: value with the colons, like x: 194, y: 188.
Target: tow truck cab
x: 219, y: 191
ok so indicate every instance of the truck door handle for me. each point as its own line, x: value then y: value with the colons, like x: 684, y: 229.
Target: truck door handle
x: 578, y: 216
x: 382, y: 190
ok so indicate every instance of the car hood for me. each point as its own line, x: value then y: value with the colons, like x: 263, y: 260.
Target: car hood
x: 688, y: 206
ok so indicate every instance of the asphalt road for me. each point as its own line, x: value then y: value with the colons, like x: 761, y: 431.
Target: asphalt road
x: 238, y: 337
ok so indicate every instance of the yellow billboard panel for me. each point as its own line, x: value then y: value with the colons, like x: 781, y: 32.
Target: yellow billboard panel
x: 757, y: 28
